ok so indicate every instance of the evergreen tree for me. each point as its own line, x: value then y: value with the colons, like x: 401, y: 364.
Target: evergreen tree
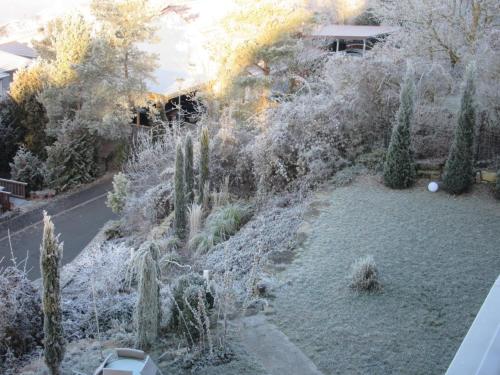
x: 27, y: 167
x: 204, y: 162
x: 497, y: 186
x: 459, y: 169
x: 147, y: 311
x: 188, y: 169
x: 180, y: 194
x: 50, y: 260
x: 72, y: 159
x: 399, y: 167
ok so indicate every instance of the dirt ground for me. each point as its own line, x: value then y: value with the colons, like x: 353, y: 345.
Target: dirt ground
x: 438, y: 256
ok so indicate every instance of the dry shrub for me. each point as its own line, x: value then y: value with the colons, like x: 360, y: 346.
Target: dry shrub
x: 364, y: 275
x: 21, y: 318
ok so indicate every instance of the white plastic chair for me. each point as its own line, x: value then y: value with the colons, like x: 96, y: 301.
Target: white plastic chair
x: 149, y: 367
x: 112, y: 371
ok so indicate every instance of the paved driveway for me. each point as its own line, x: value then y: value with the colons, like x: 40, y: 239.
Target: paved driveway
x: 77, y: 218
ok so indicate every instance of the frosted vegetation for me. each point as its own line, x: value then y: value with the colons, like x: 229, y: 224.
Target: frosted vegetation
x: 229, y: 195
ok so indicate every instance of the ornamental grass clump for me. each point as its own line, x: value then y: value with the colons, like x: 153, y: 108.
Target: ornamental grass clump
x: 50, y: 260
x: 186, y: 314
x: 399, y: 167
x: 364, y: 275
x: 221, y: 224
x: 459, y: 169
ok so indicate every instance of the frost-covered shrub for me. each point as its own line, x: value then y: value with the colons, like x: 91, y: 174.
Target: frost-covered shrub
x: 21, y: 318
x: 151, y: 161
x: 364, y: 275
x: 27, y: 167
x: 157, y: 203
x: 185, y: 295
x: 116, y: 199
x: 373, y: 160
x: 221, y: 224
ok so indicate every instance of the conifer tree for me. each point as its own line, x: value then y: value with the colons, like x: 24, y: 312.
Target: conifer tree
x: 147, y: 311
x: 399, y: 167
x: 497, y: 186
x: 204, y: 162
x: 459, y: 169
x: 188, y: 169
x: 180, y: 206
x: 50, y: 259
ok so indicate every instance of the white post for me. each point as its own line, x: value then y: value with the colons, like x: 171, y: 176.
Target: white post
x: 338, y: 42
x: 364, y: 47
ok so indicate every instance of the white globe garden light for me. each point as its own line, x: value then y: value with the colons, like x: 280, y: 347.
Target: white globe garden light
x: 433, y: 187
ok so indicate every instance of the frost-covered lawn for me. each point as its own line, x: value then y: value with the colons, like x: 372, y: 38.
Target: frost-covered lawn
x: 437, y: 256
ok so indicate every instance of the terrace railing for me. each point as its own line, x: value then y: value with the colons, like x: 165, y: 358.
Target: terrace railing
x: 16, y: 188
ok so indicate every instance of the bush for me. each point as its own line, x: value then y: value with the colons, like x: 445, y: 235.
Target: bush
x: 221, y: 224
x: 116, y: 199
x: 21, y: 318
x: 157, y: 203
x: 364, y: 275
x: 185, y: 295
x: 26, y: 167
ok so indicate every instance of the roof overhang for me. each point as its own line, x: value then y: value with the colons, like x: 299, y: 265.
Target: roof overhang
x: 351, y: 32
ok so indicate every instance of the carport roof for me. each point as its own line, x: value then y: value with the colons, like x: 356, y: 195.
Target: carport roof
x: 354, y: 32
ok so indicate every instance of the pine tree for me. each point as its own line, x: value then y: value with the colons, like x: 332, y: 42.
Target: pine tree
x: 50, y: 259
x: 188, y: 169
x: 147, y: 311
x: 399, y: 167
x: 459, y: 169
x: 204, y: 162
x: 180, y: 194
x: 497, y: 185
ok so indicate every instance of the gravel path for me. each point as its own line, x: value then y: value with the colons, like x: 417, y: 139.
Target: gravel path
x: 438, y: 256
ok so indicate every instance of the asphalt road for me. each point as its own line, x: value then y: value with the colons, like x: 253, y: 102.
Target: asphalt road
x: 77, y: 217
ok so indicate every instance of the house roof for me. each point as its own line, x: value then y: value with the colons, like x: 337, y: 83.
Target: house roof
x: 10, y: 62
x: 354, y: 32
x: 19, y: 49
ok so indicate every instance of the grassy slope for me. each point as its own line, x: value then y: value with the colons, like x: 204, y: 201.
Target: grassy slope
x: 438, y: 257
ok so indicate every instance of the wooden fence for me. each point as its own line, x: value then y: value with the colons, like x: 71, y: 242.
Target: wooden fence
x: 16, y: 188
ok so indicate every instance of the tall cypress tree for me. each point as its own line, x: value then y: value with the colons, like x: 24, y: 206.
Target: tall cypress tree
x: 50, y: 259
x: 147, y: 311
x: 459, y: 169
x: 399, y: 167
x: 180, y: 194
x: 188, y: 168
x: 204, y: 162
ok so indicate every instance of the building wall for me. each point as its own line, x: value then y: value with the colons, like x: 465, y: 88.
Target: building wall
x: 5, y: 84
